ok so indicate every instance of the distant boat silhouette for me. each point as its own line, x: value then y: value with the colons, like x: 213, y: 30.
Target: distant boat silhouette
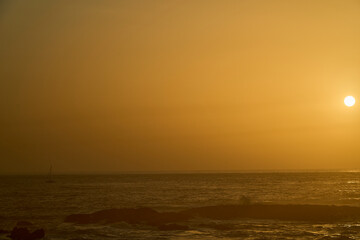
x: 50, y: 177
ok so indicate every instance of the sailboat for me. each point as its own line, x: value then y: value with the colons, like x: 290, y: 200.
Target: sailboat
x: 50, y: 177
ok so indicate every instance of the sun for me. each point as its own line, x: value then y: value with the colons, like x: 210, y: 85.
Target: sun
x: 349, y: 101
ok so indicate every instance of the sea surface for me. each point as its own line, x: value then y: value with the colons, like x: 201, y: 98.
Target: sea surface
x: 31, y: 198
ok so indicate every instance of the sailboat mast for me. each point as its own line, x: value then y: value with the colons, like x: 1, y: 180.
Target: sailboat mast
x: 50, y: 172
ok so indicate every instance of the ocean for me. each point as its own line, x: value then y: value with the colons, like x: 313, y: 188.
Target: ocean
x: 47, y: 205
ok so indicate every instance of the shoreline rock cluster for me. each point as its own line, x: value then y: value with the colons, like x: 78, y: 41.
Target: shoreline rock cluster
x: 24, y: 231
x: 176, y: 220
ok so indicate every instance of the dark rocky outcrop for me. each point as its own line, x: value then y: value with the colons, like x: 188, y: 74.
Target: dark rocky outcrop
x: 170, y: 220
x: 335, y: 238
x: 22, y: 233
x: 280, y: 212
x: 2, y: 231
x: 172, y: 227
x: 38, y: 234
x: 24, y: 224
x: 216, y: 226
x: 129, y: 215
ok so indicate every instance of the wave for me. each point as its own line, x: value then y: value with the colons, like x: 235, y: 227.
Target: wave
x: 170, y: 220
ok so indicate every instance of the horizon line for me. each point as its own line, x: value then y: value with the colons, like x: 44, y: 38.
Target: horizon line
x: 134, y: 172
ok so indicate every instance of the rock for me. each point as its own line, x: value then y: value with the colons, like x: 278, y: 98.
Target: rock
x: 24, y: 224
x: 222, y: 227
x: 335, y: 238
x: 129, y: 215
x: 19, y: 233
x: 164, y: 220
x: 325, y: 213
x: 38, y: 234
x: 4, y: 231
x: 172, y: 227
x: 22, y: 233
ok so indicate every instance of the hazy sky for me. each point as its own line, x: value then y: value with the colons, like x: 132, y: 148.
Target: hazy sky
x: 131, y: 85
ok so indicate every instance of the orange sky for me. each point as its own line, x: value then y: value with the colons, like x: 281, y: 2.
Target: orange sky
x: 172, y: 85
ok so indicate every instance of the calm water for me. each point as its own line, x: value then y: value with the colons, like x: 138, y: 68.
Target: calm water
x: 31, y: 198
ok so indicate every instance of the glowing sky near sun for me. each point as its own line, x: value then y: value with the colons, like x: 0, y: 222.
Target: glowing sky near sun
x: 100, y: 86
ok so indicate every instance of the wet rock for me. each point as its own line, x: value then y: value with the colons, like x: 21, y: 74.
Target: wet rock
x: 273, y: 211
x: 148, y: 216
x: 336, y: 238
x: 129, y: 215
x: 21, y: 233
x: 221, y: 227
x: 24, y: 224
x: 38, y: 234
x: 172, y: 227
x: 4, y: 231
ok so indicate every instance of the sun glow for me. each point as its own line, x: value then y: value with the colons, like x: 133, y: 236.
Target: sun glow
x: 349, y: 101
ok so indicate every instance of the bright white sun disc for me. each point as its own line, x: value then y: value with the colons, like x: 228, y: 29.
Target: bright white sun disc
x: 349, y: 101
